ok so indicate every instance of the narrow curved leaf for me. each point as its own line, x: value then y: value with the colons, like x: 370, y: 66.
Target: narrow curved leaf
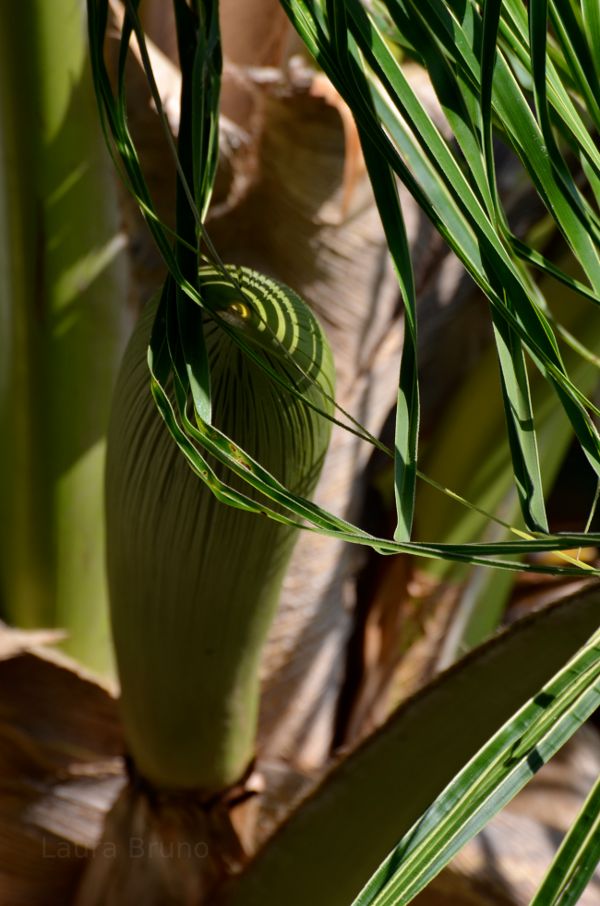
x: 327, y: 850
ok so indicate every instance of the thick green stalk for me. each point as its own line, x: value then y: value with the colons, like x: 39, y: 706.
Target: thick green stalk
x: 194, y: 583
x: 63, y: 325
x: 470, y: 455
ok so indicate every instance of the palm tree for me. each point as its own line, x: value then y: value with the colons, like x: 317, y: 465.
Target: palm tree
x: 483, y: 69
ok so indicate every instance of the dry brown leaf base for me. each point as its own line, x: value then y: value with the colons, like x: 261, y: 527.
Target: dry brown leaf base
x: 160, y: 851
x: 61, y: 769
x: 75, y: 832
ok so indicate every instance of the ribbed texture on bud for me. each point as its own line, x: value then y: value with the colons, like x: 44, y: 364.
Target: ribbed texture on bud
x: 194, y: 583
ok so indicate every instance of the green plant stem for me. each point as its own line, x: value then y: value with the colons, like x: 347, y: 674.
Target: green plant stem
x: 64, y: 321
x: 468, y: 453
x: 194, y: 583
